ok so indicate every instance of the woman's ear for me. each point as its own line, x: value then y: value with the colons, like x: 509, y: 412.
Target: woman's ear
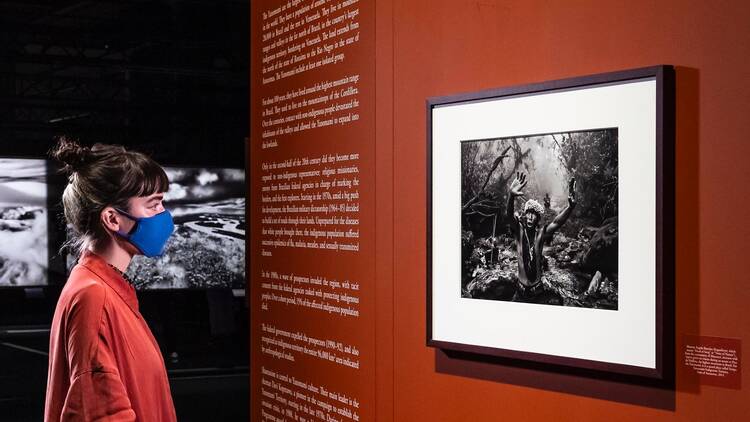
x: 111, y: 219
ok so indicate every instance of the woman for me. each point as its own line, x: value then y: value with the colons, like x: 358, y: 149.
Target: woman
x: 104, y: 363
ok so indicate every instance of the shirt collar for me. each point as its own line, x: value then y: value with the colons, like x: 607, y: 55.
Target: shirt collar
x: 97, y: 265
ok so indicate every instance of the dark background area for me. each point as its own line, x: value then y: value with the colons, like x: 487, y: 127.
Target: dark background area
x: 168, y: 78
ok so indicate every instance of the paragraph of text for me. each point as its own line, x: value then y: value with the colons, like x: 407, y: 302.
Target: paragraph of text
x: 311, y: 203
x: 288, y: 345
x: 286, y: 398
x: 311, y: 292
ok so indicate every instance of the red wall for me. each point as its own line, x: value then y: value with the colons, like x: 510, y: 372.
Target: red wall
x: 447, y: 46
x: 429, y: 48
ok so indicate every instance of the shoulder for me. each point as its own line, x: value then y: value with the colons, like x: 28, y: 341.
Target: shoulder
x: 84, y: 291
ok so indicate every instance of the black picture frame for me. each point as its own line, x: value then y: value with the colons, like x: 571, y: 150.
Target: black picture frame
x: 663, y: 173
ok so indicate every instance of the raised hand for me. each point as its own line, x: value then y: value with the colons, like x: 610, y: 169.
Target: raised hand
x: 516, y: 187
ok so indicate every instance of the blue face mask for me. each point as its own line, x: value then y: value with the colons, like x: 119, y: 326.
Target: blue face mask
x: 150, y: 234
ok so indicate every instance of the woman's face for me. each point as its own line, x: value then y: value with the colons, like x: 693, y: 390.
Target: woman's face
x: 142, y: 206
x: 147, y: 206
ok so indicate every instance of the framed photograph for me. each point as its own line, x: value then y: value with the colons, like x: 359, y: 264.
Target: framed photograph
x: 550, y: 222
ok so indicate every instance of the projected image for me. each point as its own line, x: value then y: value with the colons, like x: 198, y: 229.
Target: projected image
x: 23, y: 222
x: 207, y: 248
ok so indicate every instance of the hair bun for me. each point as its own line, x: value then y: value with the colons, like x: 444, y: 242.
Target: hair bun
x: 73, y: 155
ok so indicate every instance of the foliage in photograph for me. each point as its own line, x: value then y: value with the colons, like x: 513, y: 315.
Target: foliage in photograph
x: 539, y: 219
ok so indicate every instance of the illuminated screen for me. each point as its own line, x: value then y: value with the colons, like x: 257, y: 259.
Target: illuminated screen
x: 207, y: 248
x: 23, y: 225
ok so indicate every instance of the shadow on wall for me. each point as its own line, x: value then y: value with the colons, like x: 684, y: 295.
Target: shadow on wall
x: 613, y: 387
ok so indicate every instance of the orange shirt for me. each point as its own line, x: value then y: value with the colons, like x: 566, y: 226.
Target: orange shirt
x: 104, y: 363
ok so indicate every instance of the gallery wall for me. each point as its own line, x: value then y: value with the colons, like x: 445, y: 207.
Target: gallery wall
x: 415, y: 49
x: 443, y: 47
x: 321, y: 183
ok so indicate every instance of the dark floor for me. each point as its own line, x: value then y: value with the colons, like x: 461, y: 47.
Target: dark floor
x: 200, y: 393
x: 197, y: 397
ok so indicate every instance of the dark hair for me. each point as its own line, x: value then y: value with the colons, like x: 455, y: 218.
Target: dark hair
x: 100, y: 176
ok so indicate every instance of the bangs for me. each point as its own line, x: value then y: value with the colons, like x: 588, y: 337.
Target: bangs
x: 145, y: 178
x: 155, y: 180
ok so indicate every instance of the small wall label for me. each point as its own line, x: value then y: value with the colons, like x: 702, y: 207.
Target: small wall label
x: 714, y: 360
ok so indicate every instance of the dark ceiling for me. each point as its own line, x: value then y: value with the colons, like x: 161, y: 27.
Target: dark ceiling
x: 166, y: 77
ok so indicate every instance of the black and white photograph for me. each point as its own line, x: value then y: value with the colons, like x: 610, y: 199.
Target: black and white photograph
x: 207, y: 248
x: 23, y: 222
x: 539, y: 219
x: 548, y: 221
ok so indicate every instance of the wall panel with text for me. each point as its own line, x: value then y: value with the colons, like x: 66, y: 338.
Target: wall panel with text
x: 312, y: 161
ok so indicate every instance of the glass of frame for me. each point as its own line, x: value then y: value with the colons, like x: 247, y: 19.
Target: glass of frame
x: 550, y: 222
